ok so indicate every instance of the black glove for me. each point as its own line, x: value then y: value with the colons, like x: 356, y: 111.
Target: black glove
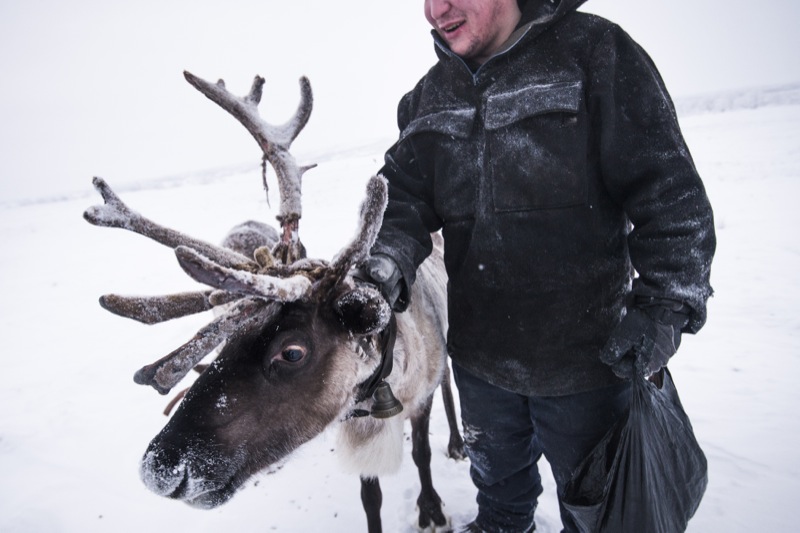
x: 382, y: 271
x: 645, y: 339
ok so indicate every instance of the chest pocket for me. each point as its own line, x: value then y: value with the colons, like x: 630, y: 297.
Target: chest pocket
x: 452, y: 122
x: 537, y: 140
x: 440, y: 143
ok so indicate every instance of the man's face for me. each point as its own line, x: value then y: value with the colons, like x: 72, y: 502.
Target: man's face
x: 474, y: 29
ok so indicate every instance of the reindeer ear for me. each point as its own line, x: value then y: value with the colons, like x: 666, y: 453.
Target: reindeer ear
x: 363, y: 310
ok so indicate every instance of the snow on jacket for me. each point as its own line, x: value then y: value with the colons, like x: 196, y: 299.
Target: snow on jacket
x: 535, y: 167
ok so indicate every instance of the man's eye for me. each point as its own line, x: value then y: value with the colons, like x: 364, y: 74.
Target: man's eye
x: 293, y: 354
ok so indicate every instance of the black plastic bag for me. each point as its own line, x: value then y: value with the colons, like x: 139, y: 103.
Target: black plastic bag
x: 648, y: 474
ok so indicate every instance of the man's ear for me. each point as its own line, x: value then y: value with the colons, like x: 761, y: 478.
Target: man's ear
x: 363, y: 310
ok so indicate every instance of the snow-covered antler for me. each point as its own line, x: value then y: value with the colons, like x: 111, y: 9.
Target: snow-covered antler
x: 204, y: 270
x: 370, y: 220
x: 258, y: 289
x: 253, y: 287
x: 274, y: 142
x: 155, y: 309
x: 244, y: 282
x: 170, y: 369
x: 239, y: 281
x: 115, y: 214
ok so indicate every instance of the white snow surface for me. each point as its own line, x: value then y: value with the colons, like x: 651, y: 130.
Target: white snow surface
x: 74, y: 426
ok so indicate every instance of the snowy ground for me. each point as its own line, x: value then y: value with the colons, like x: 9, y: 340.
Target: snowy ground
x: 73, y: 425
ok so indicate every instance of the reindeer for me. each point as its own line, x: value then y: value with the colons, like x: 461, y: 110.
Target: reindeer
x: 304, y: 344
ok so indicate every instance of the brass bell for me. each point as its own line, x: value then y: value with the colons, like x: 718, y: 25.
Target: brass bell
x: 384, y: 404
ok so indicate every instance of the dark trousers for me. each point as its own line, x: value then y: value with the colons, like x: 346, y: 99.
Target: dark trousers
x: 506, y: 434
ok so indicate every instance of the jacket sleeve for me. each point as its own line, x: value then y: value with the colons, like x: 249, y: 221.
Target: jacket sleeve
x: 649, y: 172
x: 410, y: 217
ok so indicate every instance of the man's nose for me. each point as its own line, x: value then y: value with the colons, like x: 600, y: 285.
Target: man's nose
x: 437, y: 8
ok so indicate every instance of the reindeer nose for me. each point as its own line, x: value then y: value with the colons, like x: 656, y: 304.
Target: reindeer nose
x: 163, y: 472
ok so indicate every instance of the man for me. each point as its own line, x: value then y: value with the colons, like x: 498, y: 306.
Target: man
x: 578, y: 235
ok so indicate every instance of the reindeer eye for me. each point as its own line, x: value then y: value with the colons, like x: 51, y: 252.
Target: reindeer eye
x: 293, y: 354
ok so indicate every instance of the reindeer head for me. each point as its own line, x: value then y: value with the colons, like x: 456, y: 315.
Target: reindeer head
x: 302, y: 341
x: 271, y: 389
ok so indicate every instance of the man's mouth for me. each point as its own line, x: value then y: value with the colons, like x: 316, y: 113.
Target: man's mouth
x: 450, y: 28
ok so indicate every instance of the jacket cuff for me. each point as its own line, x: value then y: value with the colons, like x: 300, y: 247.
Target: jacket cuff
x: 666, y: 311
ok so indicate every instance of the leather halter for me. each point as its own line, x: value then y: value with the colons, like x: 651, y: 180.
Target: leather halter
x: 367, y: 387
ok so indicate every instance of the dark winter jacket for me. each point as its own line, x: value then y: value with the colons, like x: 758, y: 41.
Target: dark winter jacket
x: 535, y: 167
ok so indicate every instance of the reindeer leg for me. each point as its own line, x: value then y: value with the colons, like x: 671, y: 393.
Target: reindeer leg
x: 429, y: 502
x: 372, y: 498
x: 455, y: 448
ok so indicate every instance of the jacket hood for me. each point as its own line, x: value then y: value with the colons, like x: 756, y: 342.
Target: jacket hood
x: 537, y: 16
x: 542, y: 13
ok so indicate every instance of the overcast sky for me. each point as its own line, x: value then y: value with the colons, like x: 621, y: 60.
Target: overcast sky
x: 95, y: 87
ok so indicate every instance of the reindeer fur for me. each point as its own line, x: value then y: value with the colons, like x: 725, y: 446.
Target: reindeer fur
x: 372, y: 447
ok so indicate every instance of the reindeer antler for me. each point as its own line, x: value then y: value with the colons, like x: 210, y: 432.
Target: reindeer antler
x: 219, y: 267
x: 260, y: 288
x: 240, y: 278
x: 254, y: 288
x: 370, y: 221
x: 170, y: 369
x: 274, y: 142
x: 115, y: 214
x: 155, y: 309
x: 206, y: 271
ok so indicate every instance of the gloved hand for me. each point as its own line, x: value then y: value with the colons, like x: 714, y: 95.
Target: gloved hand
x: 382, y: 271
x: 645, y: 339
